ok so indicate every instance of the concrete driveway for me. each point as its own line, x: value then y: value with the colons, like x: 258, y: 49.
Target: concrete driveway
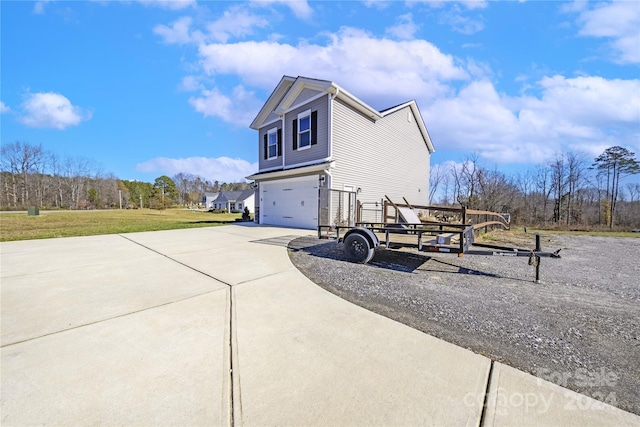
x: 214, y: 326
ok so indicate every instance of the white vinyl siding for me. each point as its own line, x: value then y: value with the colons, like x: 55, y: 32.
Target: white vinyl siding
x: 387, y: 157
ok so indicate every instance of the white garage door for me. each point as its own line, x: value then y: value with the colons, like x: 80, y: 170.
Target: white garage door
x: 292, y: 202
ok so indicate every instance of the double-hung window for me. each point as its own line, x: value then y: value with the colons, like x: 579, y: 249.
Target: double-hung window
x: 272, y: 143
x: 304, y: 130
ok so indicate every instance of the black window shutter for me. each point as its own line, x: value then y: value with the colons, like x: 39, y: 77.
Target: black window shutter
x: 279, y: 142
x: 294, y: 125
x: 314, y: 128
x: 266, y: 147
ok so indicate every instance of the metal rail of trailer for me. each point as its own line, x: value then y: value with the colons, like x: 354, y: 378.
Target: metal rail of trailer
x: 360, y: 241
x: 398, y: 226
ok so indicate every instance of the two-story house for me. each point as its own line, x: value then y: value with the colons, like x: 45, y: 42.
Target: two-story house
x: 313, y: 135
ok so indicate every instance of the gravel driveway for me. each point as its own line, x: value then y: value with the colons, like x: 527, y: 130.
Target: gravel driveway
x: 579, y: 328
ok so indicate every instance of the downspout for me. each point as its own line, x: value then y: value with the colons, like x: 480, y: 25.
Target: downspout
x: 284, y: 146
x: 328, y: 181
x: 331, y: 98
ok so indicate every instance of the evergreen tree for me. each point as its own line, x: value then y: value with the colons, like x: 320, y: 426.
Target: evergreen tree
x: 165, y: 192
x: 615, y: 163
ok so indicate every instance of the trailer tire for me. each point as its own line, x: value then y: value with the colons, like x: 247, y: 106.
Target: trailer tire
x: 357, y: 248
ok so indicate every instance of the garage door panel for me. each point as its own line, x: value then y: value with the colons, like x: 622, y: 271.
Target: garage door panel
x: 291, y: 203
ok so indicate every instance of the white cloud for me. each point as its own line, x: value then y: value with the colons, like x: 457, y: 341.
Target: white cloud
x: 169, y: 4
x: 235, y: 22
x: 239, y: 108
x: 405, y: 28
x: 51, y: 110
x: 300, y: 8
x: 366, y: 65
x: 178, y: 33
x: 378, y: 4
x: 190, y: 84
x: 38, y: 7
x: 4, y: 108
x: 469, y: 4
x: 617, y: 21
x: 454, y: 13
x: 461, y: 106
x: 460, y: 23
x: 582, y: 113
x: 223, y: 169
x: 592, y: 101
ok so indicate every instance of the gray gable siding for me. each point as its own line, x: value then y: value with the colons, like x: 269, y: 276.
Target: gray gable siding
x: 387, y: 157
x: 273, y: 163
x: 305, y: 95
x: 271, y: 117
x: 316, y: 152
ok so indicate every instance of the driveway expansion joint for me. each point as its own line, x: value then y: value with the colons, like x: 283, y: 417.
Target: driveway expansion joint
x: 232, y: 349
x: 95, y: 322
x: 176, y: 261
x: 485, y: 402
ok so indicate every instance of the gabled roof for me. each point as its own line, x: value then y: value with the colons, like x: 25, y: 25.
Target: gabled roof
x: 234, y: 196
x: 287, y: 91
x: 289, y: 88
x: 272, y: 102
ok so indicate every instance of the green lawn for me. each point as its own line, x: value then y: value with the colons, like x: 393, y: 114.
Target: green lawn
x: 49, y: 224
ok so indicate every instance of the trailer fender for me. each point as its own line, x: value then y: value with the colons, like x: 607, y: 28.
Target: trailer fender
x: 368, y: 234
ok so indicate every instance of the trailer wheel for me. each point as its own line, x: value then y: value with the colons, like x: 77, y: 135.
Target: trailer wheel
x: 357, y: 248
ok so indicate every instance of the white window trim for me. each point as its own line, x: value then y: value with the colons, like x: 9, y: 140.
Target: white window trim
x: 304, y: 114
x: 269, y: 133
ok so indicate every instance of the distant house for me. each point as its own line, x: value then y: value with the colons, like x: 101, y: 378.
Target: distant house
x: 208, y: 199
x: 317, y: 141
x: 230, y: 200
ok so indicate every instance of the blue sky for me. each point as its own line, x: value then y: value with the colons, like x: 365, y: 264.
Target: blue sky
x: 147, y: 88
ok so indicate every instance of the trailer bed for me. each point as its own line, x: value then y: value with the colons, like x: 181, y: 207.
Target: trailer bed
x: 361, y: 240
x: 431, y: 237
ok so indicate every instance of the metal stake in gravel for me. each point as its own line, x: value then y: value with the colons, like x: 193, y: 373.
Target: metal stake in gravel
x: 534, y: 259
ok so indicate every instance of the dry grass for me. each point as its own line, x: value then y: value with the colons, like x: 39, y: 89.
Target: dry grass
x: 50, y: 224
x: 518, y: 237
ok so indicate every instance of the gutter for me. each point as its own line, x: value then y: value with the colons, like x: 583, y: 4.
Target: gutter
x: 290, y: 173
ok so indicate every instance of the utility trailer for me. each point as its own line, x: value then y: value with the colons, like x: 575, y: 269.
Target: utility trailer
x: 360, y: 239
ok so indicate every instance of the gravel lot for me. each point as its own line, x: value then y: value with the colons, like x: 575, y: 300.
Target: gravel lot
x: 579, y: 328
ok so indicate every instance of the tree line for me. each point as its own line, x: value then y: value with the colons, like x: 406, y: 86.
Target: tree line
x: 572, y: 191
x: 32, y: 176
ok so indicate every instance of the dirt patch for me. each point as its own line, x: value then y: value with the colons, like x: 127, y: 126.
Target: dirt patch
x: 578, y: 328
